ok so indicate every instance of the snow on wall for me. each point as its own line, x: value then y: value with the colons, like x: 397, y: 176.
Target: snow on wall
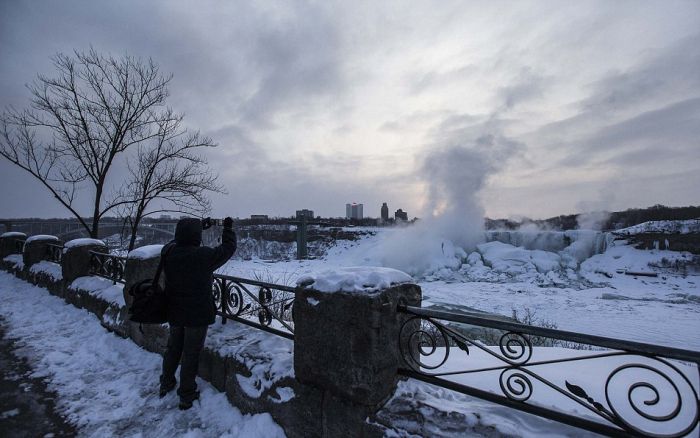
x: 101, y: 288
x: 354, y: 279
x: 41, y: 237
x: 145, y: 252
x: 85, y: 241
x: 15, y: 259
x: 53, y: 270
x: 13, y: 234
x: 269, y: 358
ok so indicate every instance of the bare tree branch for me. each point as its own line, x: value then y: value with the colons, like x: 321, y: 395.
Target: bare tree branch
x: 169, y: 175
x: 81, y: 119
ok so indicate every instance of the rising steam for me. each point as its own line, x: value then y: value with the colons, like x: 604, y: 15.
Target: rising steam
x: 453, y: 218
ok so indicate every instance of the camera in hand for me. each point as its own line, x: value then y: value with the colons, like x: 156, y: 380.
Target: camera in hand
x: 208, y: 222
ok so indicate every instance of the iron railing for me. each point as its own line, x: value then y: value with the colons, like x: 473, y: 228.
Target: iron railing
x: 107, y: 266
x: 54, y: 253
x: 259, y: 304
x: 608, y: 386
x: 19, y: 246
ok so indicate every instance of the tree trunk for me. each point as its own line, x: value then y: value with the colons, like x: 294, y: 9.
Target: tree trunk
x: 135, y: 227
x: 96, y: 212
x: 132, y: 240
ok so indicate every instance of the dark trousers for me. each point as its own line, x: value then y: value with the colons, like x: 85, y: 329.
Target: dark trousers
x: 184, y: 346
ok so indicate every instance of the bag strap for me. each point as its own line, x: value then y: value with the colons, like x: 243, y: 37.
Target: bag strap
x: 160, y: 264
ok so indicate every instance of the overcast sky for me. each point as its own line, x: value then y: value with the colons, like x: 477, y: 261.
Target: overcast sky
x: 582, y: 105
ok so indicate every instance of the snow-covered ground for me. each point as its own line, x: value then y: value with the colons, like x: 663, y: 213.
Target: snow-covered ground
x: 593, y: 296
x: 106, y: 385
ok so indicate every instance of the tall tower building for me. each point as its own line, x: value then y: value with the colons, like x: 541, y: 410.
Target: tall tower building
x: 353, y: 211
x: 385, y: 212
x: 401, y: 215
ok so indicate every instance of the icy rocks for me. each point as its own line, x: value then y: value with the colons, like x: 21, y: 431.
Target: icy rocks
x: 515, y: 260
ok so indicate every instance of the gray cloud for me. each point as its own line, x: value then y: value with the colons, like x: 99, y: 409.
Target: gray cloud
x: 317, y: 104
x: 634, y: 124
x: 662, y: 76
x: 527, y: 86
x: 660, y: 132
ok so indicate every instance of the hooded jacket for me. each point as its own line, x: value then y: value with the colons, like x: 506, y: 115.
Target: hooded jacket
x: 189, y: 269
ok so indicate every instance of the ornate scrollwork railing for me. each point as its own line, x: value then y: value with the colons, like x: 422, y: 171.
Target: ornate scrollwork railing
x: 625, y: 388
x: 54, y: 253
x: 262, y: 305
x: 107, y: 266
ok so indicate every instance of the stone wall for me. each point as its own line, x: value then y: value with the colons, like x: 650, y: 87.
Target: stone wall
x: 8, y: 244
x: 339, y: 370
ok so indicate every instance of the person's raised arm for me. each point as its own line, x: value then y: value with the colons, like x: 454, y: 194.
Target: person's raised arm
x: 223, y: 252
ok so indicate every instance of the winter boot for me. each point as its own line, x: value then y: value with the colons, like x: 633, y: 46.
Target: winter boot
x: 186, y: 404
x: 165, y: 388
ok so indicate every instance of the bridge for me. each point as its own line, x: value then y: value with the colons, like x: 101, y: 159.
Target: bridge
x: 150, y: 233
x: 117, y: 235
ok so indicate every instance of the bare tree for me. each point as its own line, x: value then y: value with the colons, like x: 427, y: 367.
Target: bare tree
x: 168, y: 176
x: 79, y: 121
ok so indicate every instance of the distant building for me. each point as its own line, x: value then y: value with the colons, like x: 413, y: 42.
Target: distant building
x: 258, y: 217
x: 401, y: 215
x: 385, y: 212
x: 309, y: 214
x: 353, y: 211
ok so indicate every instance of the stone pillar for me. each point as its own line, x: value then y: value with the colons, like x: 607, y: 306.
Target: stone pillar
x: 141, y: 264
x: 7, y: 243
x: 346, y: 342
x: 35, y: 248
x: 76, y: 257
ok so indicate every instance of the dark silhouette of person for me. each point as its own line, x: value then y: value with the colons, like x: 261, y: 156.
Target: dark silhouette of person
x: 189, y: 269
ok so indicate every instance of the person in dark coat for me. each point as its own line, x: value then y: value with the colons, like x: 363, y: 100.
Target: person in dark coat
x: 189, y: 269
